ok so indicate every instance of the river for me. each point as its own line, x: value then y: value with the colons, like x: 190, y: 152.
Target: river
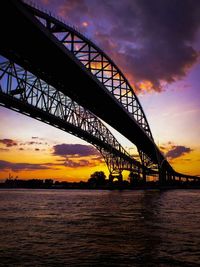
x: 99, y: 228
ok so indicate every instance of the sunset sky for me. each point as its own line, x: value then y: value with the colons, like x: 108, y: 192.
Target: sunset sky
x: 156, y: 44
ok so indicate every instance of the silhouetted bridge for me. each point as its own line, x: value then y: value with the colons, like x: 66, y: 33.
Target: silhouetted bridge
x: 51, y: 72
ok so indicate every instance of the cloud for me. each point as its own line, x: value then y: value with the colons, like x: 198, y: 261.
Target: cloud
x: 73, y: 163
x: 162, y: 147
x: 74, y: 155
x: 98, y: 158
x: 74, y: 9
x: 177, y: 151
x: 4, y: 149
x: 151, y: 41
x: 37, y: 138
x: 37, y: 149
x: 13, y: 143
x: 45, y: 2
x: 74, y: 150
x: 6, y: 165
x: 33, y: 142
x: 76, y: 164
x: 8, y: 142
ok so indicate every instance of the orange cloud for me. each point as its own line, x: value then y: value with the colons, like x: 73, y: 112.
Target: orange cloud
x: 145, y: 86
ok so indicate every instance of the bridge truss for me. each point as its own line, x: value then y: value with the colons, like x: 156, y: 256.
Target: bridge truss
x: 22, y: 91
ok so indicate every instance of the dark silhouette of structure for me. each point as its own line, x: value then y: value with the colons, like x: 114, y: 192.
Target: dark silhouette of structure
x: 51, y: 72
x: 98, y: 180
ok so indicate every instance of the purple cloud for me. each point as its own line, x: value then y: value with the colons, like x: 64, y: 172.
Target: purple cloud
x: 151, y: 41
x: 76, y: 164
x: 8, y: 142
x: 74, y: 150
x: 177, y: 151
x: 6, y: 165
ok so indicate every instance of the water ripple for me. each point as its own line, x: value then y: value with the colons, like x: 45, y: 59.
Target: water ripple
x: 99, y: 228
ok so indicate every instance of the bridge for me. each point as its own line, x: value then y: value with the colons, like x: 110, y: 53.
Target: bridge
x: 51, y: 72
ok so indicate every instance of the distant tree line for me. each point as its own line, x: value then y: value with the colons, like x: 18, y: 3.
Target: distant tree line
x: 97, y: 180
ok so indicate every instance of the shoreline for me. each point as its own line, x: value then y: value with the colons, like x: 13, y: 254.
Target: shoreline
x: 136, y: 188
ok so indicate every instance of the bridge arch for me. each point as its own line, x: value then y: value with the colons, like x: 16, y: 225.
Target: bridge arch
x: 22, y: 91
x: 98, y: 63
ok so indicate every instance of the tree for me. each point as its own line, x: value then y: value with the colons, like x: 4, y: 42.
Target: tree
x: 98, y: 178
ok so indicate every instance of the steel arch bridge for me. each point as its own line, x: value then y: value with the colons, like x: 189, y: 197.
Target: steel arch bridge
x: 53, y: 73
x: 23, y: 92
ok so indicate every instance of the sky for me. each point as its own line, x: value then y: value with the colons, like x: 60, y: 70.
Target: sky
x: 156, y: 44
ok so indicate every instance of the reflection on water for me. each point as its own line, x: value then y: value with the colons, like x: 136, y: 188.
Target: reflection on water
x: 99, y: 228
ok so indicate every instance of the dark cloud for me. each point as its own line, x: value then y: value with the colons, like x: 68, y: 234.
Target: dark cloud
x: 177, y: 151
x: 74, y: 161
x: 35, y: 137
x: 73, y: 155
x: 164, y: 51
x: 33, y: 142
x: 70, y: 7
x: 8, y: 142
x: 151, y: 41
x: 6, y: 165
x: 74, y: 150
x: 37, y: 149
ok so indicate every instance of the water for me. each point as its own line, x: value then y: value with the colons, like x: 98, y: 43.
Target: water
x: 99, y: 228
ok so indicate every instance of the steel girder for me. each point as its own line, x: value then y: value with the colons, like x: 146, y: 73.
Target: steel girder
x: 22, y: 91
x: 101, y: 66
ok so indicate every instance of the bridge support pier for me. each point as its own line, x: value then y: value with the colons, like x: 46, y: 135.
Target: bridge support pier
x: 144, y: 177
x: 162, y: 176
